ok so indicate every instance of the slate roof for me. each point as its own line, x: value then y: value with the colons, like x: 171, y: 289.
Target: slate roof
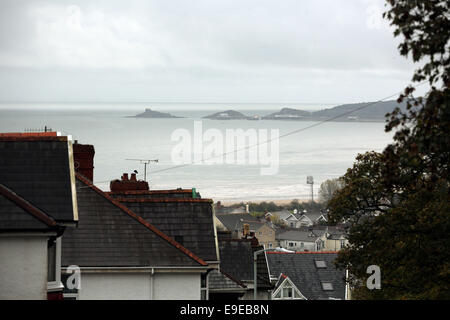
x: 301, y: 268
x: 313, y: 216
x: 189, y: 221
x: 37, y: 168
x: 17, y: 214
x: 283, y: 214
x: 334, y: 232
x: 233, y: 221
x: 219, y: 280
x: 298, y: 235
x: 236, y: 258
x: 111, y: 235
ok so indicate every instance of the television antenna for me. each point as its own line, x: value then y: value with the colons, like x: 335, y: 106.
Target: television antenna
x: 145, y: 162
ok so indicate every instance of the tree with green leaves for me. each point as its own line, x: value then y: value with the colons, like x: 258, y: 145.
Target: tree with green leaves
x: 396, y: 204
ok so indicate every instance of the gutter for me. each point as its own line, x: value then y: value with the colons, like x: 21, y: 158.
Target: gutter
x: 152, y: 269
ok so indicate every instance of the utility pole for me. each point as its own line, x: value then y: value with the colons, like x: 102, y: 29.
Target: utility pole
x: 145, y: 162
x: 310, y: 180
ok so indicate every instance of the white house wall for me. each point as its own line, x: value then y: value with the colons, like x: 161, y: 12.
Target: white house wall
x: 310, y: 246
x: 173, y: 286
x: 138, y: 286
x: 23, y: 268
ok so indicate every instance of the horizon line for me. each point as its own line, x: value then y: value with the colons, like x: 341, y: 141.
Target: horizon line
x: 180, y: 101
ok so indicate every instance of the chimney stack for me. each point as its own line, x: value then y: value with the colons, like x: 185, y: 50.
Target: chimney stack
x: 126, y: 184
x: 83, y: 157
x: 246, y: 230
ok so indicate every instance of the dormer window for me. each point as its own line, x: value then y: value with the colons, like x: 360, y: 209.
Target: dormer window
x: 286, y: 291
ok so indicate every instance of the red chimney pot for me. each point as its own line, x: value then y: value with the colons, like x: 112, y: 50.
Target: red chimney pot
x: 128, y: 184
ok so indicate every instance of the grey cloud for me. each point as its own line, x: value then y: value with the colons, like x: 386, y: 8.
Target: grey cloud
x: 228, y: 50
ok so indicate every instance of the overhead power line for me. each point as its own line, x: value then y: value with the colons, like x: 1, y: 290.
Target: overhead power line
x: 316, y: 124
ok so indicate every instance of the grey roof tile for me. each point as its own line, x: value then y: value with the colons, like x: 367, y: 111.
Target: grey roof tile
x: 301, y: 269
x: 236, y: 258
x: 107, y: 236
x: 190, y: 219
x: 38, y: 171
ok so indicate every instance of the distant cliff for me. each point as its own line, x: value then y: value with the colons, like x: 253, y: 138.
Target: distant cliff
x: 373, y: 112
x: 228, y: 115
x: 148, y: 113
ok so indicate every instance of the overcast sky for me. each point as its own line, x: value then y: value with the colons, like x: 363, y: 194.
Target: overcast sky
x: 316, y: 51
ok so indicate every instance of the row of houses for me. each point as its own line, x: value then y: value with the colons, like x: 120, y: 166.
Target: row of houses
x: 292, y: 219
x: 62, y: 237
x: 298, y: 219
x: 306, y: 238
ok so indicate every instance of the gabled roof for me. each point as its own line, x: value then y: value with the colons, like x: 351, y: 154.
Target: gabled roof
x: 233, y: 221
x: 334, y: 232
x: 282, y: 281
x: 284, y: 214
x: 301, y: 268
x: 186, y: 219
x: 39, y: 169
x: 111, y: 235
x: 298, y: 235
x: 17, y: 214
x: 313, y: 217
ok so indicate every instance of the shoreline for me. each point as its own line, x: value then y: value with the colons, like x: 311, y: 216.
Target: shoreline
x: 278, y: 202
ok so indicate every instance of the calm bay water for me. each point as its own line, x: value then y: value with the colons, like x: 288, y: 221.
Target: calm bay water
x: 325, y: 151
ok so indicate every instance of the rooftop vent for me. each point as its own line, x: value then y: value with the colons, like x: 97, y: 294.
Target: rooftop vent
x: 327, y: 286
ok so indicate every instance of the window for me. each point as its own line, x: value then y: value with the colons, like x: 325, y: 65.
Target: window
x: 203, y: 286
x: 291, y: 244
x: 287, y: 291
x: 51, y: 264
x: 327, y: 286
x: 320, y: 264
x: 302, y: 245
x: 319, y: 245
x: 342, y: 244
x: 54, y: 265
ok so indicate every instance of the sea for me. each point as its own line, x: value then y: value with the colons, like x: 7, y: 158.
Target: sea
x: 323, y: 150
